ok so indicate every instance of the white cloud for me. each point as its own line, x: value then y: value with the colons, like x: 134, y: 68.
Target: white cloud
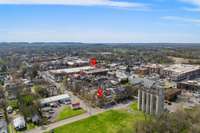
x: 112, y: 3
x: 181, y: 19
x: 193, y: 2
x: 197, y: 9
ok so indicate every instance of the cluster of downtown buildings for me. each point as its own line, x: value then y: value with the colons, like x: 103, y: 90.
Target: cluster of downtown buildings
x: 151, y: 80
x: 157, y: 79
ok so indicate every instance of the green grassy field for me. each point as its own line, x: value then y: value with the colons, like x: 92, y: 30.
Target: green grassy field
x: 133, y: 106
x: 67, y: 112
x: 113, y: 121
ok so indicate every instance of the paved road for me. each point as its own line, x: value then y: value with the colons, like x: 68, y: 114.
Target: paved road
x: 73, y: 119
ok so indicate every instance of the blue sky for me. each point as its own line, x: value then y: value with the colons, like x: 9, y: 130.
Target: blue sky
x: 100, y: 20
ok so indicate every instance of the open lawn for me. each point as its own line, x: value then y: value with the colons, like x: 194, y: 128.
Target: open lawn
x: 133, y: 106
x: 67, y: 112
x: 113, y: 121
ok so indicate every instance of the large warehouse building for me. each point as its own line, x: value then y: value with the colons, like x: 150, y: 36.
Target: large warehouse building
x: 71, y: 70
x: 60, y: 73
x: 178, y: 72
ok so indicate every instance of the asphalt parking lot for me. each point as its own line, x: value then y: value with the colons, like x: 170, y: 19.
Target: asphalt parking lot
x: 185, y: 100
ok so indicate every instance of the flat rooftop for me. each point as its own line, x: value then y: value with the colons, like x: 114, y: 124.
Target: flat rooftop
x: 195, y: 82
x: 54, y: 98
x: 78, y: 61
x: 71, y: 70
x: 96, y: 71
x: 182, y: 68
x: 154, y: 65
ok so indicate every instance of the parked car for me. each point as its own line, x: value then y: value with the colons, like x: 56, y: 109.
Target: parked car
x: 9, y: 109
x: 51, y: 111
x: 1, y: 114
x: 19, y: 123
x: 67, y: 102
x: 54, y: 105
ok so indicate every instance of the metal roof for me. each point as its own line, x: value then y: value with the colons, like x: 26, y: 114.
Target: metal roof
x: 72, y: 70
x: 182, y: 68
x: 54, y: 99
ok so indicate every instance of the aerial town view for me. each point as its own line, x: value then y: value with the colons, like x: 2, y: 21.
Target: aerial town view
x: 99, y: 66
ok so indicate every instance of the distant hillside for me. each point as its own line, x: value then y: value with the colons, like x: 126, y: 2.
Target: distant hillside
x: 78, y: 44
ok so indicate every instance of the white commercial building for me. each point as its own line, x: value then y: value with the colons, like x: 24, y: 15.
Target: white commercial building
x: 59, y: 98
x: 71, y: 70
x: 179, y: 72
x: 59, y: 74
x: 121, y: 76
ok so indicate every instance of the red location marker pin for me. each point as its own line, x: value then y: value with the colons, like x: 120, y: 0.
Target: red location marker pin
x: 100, y: 92
x: 93, y: 62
